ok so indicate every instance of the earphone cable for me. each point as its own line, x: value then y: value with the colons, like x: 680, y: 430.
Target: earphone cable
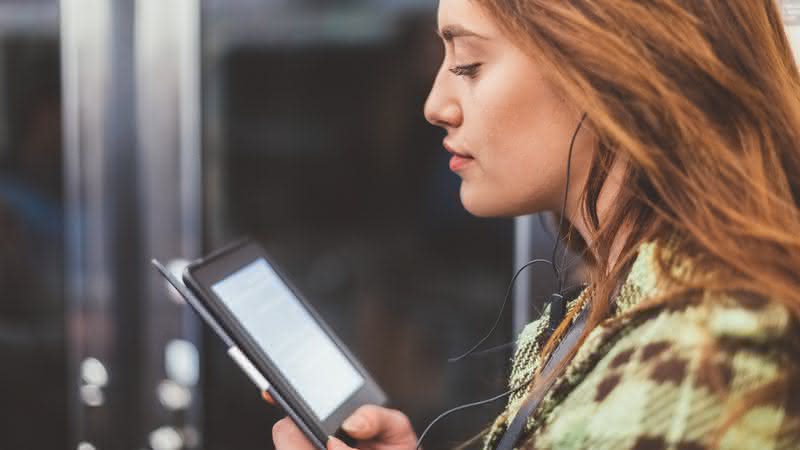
x: 469, y: 405
x: 564, y: 204
x: 502, y: 308
x: 559, y: 293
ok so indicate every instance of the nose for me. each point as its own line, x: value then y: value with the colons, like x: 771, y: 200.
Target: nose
x: 442, y: 108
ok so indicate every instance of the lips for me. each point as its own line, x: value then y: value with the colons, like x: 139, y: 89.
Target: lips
x: 454, y: 152
x: 460, y: 160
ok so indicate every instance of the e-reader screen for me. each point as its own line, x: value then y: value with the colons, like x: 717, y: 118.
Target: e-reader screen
x: 289, y: 336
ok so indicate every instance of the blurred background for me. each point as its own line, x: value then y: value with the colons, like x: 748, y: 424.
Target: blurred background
x: 167, y: 128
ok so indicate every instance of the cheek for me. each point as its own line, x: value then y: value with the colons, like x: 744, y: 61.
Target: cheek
x: 520, y: 129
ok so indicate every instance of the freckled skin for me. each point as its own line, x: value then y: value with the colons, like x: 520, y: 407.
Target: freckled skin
x: 506, y: 116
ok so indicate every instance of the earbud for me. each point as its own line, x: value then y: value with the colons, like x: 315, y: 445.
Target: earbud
x: 558, y: 309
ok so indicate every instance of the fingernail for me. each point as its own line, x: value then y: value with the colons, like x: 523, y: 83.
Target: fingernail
x: 354, y: 424
x: 334, y: 443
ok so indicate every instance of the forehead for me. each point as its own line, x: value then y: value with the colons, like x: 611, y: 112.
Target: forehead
x: 465, y: 14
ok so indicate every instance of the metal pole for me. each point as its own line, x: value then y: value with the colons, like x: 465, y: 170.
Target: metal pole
x: 523, y: 252
x: 169, y: 118
x: 102, y: 308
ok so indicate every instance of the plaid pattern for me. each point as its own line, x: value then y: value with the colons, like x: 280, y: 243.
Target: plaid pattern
x: 649, y: 379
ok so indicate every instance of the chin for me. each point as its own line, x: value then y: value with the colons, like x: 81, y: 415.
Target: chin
x: 485, y: 205
x: 481, y: 203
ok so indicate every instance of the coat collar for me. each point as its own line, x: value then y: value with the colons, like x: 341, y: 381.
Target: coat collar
x: 642, y: 280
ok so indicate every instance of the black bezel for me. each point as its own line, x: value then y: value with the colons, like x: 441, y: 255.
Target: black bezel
x: 200, y: 275
x: 201, y: 310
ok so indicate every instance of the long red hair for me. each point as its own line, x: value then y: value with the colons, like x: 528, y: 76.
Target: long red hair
x: 701, y: 100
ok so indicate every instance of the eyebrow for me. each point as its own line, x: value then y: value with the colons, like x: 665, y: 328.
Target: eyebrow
x: 450, y: 32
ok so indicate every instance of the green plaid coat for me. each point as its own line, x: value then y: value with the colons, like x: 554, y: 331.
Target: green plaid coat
x: 637, y: 382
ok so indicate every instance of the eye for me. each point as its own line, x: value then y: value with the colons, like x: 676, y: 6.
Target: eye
x: 467, y: 70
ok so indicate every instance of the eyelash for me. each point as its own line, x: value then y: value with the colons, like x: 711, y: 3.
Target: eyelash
x: 467, y: 70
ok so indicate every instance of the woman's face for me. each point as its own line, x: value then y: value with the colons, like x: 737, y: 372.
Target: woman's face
x: 508, y: 130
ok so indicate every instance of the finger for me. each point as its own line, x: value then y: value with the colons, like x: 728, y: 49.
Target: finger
x: 370, y: 421
x: 267, y: 397
x: 336, y: 444
x: 286, y: 436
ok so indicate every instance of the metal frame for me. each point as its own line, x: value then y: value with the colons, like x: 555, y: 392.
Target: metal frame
x: 523, y: 252
x: 169, y: 118
x: 101, y: 293
x: 130, y: 75
x: 4, y: 126
x: 28, y: 18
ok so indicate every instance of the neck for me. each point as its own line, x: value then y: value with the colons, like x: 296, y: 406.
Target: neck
x: 605, y: 200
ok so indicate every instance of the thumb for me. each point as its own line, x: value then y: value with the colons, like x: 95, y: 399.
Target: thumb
x: 369, y: 421
x: 361, y: 427
x: 336, y: 444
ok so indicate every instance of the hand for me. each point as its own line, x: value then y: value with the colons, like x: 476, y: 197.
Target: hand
x: 374, y: 427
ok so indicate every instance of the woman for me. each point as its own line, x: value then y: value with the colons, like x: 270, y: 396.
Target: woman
x: 682, y: 186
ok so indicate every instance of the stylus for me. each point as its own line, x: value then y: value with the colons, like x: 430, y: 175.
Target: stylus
x: 248, y: 368
x: 263, y: 385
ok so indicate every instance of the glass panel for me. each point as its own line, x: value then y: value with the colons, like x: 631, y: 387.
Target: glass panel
x: 32, y: 349
x: 316, y: 146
